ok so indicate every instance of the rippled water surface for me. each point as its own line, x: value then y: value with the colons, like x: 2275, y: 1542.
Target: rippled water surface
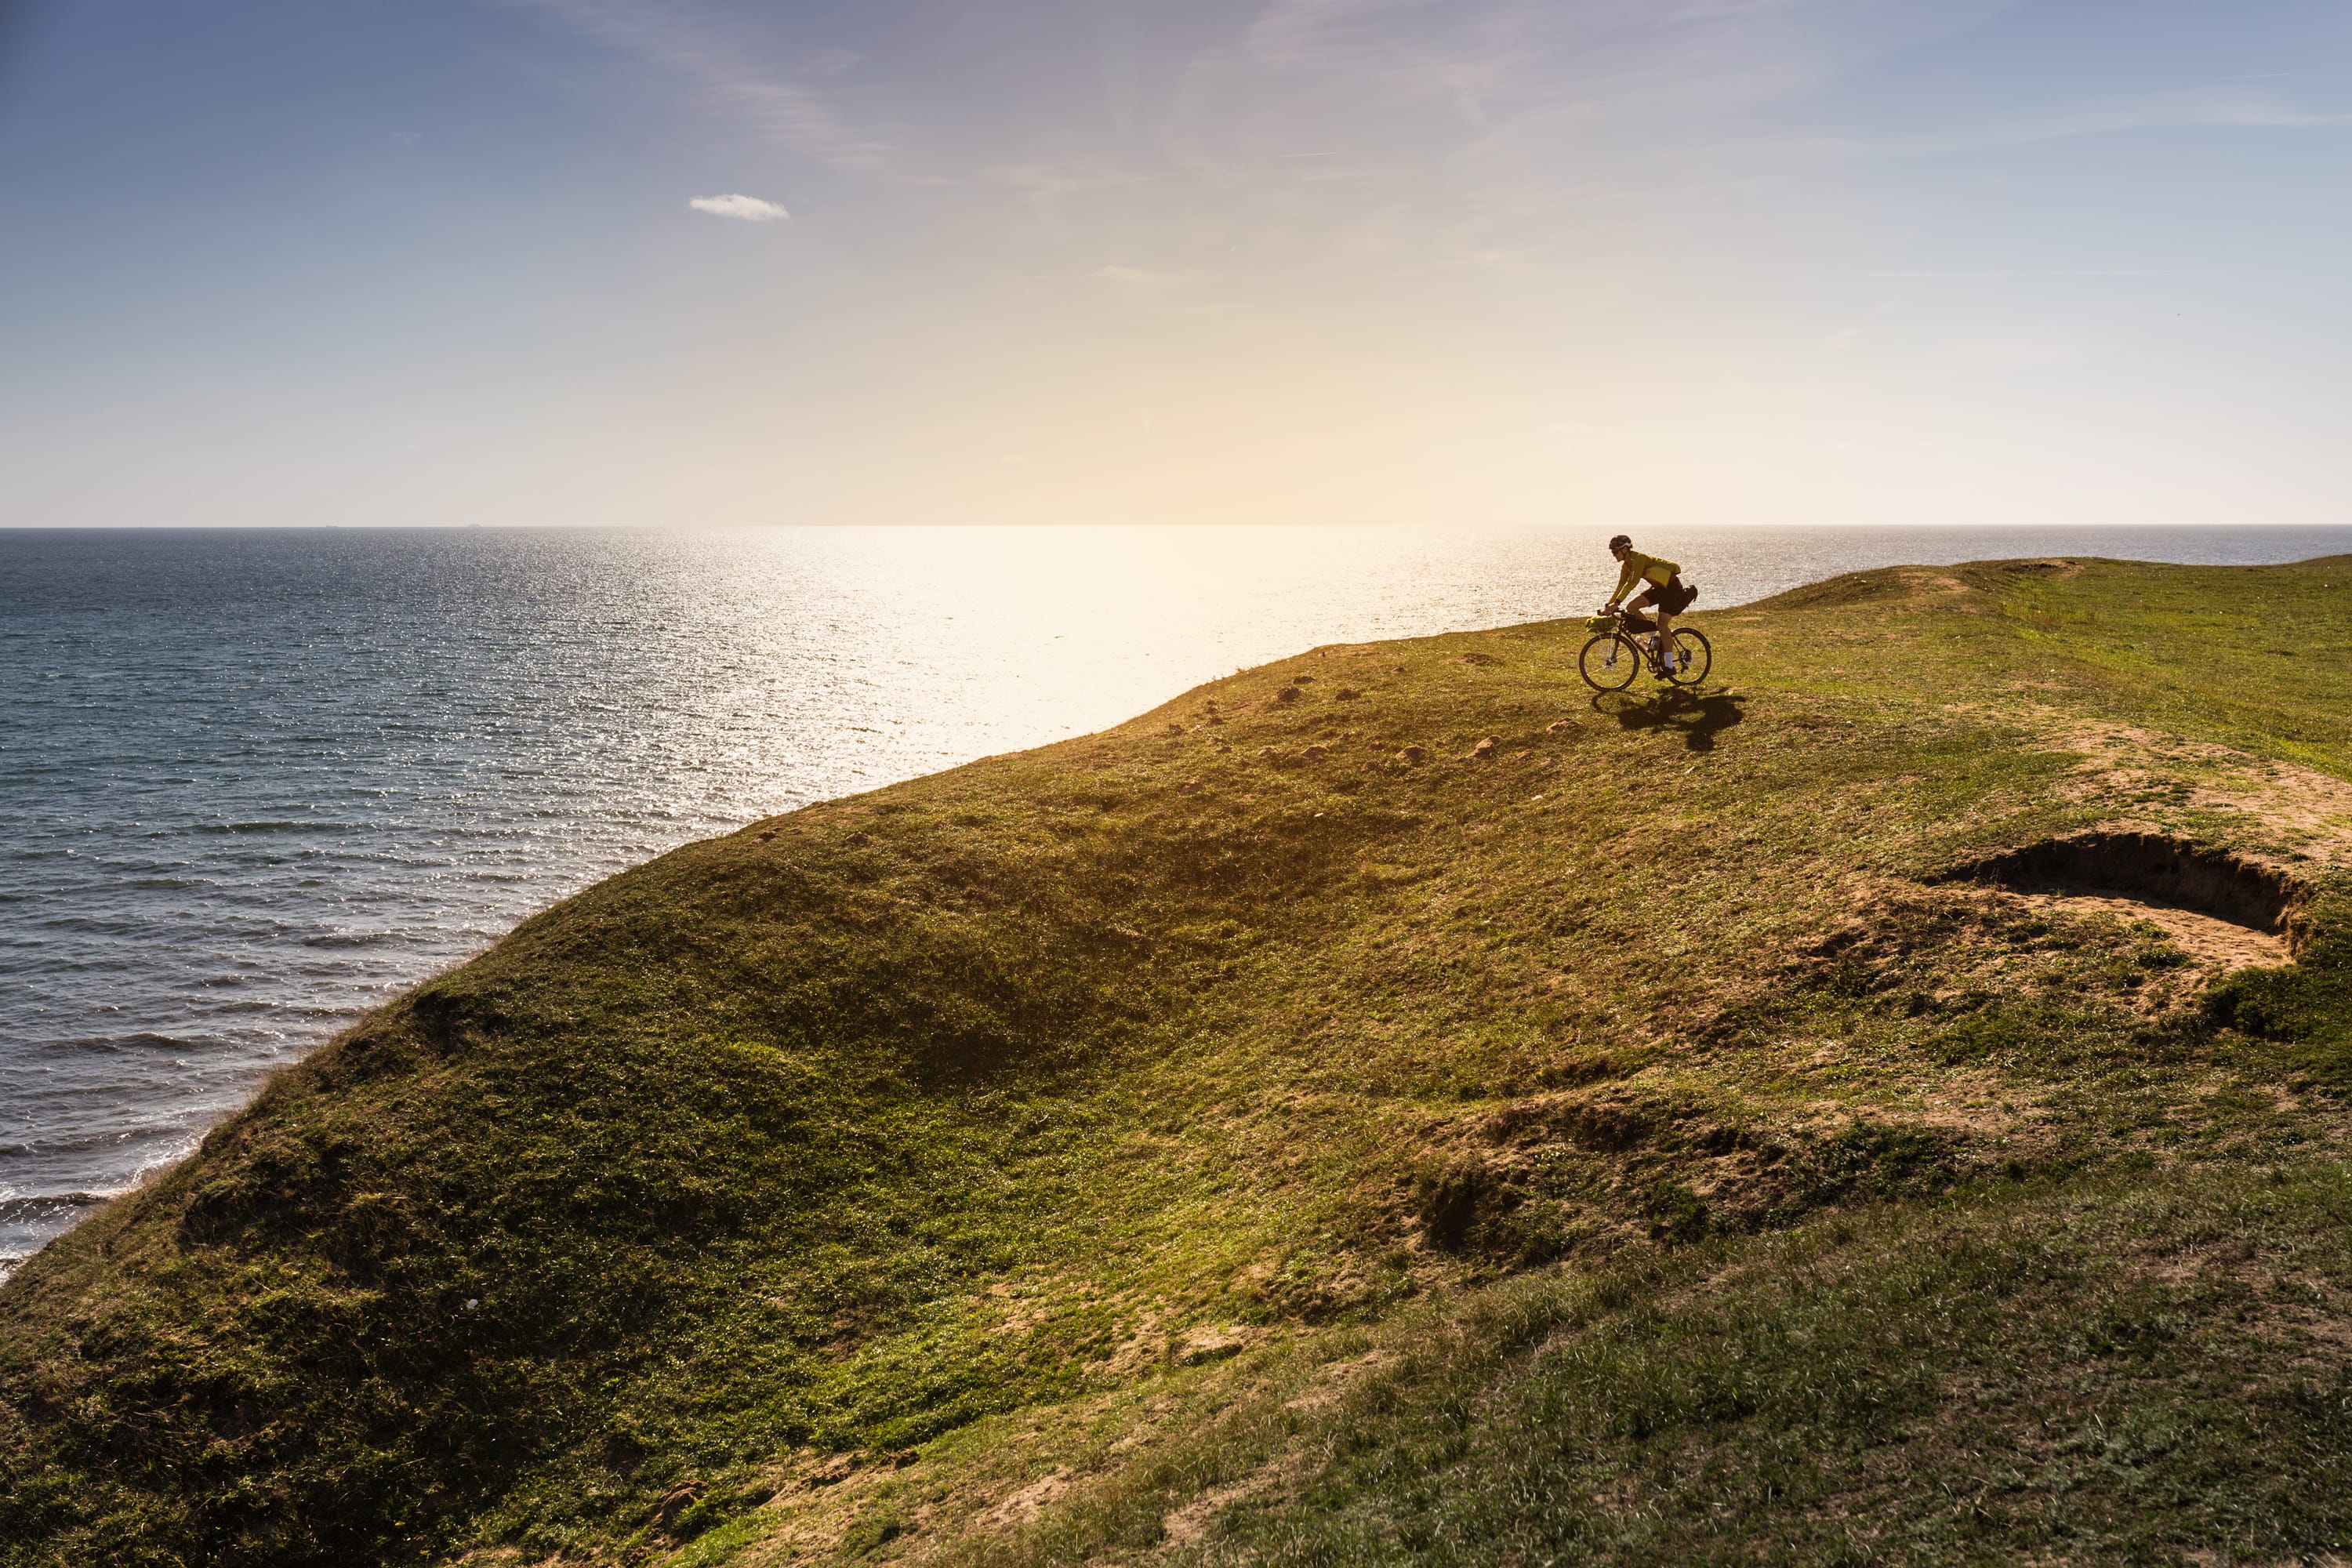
x: 254, y: 782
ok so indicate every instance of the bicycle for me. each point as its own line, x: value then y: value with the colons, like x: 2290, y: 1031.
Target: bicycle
x: 1617, y: 651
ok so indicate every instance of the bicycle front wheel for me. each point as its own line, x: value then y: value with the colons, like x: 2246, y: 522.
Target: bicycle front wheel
x: 1609, y: 662
x: 1693, y: 657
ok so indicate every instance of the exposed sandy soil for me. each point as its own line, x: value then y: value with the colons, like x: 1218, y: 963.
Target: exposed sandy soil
x: 2305, y: 810
x: 2216, y: 944
x: 1189, y: 1525
x: 1030, y: 1500
x: 1338, y: 1378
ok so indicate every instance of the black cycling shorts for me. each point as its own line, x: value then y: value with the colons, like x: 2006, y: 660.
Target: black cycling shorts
x: 1670, y: 595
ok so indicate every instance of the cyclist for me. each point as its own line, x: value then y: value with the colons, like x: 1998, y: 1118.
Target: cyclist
x: 1662, y: 589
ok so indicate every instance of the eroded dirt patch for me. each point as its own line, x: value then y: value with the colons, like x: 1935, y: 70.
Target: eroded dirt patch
x: 1188, y: 1525
x: 2215, y: 944
x: 2213, y: 900
x: 1031, y: 1501
x: 2304, y: 810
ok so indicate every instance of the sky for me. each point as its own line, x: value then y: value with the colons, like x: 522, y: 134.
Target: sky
x: 1592, y: 263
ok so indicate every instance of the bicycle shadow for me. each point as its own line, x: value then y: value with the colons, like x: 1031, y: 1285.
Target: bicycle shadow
x: 1697, y: 720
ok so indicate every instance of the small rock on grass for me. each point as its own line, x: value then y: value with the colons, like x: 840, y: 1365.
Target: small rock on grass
x: 1413, y: 755
x: 1485, y: 748
x: 1315, y: 753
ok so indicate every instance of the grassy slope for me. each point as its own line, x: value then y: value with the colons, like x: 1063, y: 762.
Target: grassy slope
x: 918, y: 1163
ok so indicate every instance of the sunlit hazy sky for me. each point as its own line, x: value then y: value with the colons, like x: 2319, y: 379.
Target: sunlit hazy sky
x: 1590, y: 262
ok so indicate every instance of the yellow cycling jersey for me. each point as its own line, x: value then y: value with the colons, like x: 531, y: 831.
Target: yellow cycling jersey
x: 1639, y: 566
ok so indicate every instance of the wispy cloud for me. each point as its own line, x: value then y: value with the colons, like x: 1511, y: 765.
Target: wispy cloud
x: 2223, y: 106
x: 1048, y: 187
x: 1137, y: 279
x: 2007, y: 354
x: 728, y: 74
x: 1641, y: 59
x: 750, y: 209
x: 1502, y: 132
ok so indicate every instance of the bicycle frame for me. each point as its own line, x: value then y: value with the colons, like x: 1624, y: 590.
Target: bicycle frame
x: 1632, y: 627
x: 1615, y: 629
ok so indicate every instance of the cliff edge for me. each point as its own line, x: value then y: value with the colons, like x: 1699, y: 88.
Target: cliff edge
x: 1390, y: 1105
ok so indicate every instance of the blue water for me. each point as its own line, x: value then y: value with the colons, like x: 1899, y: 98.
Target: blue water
x: 254, y: 782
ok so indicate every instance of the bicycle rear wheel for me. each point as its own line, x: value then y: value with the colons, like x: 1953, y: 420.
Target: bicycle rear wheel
x: 1609, y: 662
x: 1693, y: 656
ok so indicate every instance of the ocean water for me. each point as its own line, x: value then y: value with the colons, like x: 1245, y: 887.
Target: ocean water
x: 254, y: 782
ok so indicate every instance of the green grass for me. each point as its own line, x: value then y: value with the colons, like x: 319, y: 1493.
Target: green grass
x: 924, y: 1137
x: 2124, y: 1370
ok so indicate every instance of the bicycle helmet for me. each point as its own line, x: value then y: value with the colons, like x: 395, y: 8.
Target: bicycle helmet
x: 1624, y: 539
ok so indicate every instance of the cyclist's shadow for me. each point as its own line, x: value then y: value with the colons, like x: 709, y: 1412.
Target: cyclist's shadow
x: 1696, y: 719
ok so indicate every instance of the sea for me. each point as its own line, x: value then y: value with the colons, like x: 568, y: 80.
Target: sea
x: 254, y: 782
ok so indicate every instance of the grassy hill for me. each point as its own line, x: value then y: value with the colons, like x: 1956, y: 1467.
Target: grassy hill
x: 1289, y: 1129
